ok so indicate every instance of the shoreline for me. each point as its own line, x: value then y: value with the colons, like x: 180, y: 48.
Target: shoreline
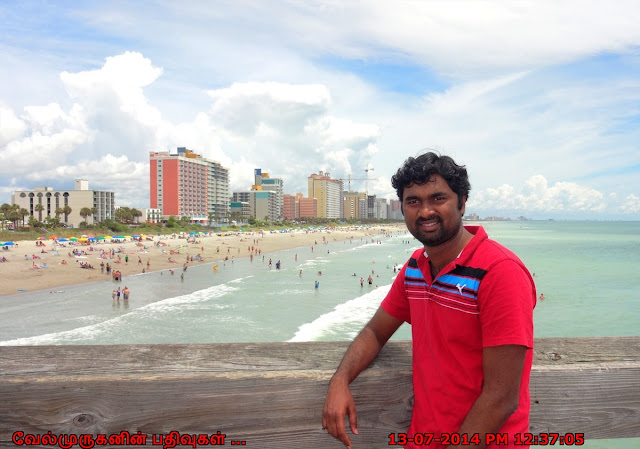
x: 20, y: 276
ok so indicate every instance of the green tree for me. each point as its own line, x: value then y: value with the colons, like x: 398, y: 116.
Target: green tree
x: 23, y: 213
x: 51, y: 222
x: 171, y: 222
x: 39, y: 208
x: 5, y: 209
x: 124, y: 215
x: 136, y: 214
x: 84, y: 213
x: 66, y: 210
x: 59, y: 211
x: 94, y: 212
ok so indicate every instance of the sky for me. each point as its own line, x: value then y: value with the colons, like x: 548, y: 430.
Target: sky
x: 540, y: 100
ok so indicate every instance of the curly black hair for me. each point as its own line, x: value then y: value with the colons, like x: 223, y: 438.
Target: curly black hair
x: 419, y: 170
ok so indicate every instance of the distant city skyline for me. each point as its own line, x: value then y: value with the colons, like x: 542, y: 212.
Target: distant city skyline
x: 538, y: 100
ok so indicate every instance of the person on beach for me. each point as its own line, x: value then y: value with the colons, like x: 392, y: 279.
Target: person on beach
x: 470, y: 302
x: 125, y: 293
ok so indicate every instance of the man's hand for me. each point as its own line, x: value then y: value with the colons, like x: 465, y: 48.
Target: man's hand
x: 339, y: 403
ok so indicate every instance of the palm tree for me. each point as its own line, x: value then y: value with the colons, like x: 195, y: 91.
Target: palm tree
x: 5, y: 209
x: 23, y: 213
x: 136, y: 214
x: 84, y: 213
x: 59, y: 211
x: 39, y: 208
x: 66, y: 210
x: 94, y: 212
x: 14, y: 216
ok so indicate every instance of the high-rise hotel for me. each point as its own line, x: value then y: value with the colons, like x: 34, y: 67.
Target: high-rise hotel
x: 328, y: 192
x: 184, y: 184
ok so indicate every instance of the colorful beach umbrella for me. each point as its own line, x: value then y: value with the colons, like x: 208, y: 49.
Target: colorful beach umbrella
x: 101, y: 238
x: 63, y: 240
x: 7, y: 244
x: 73, y: 239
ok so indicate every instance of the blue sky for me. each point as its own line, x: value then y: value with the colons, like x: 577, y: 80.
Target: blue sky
x: 541, y: 100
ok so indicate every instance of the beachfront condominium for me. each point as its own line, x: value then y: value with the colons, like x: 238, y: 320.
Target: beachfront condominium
x: 261, y: 205
x: 54, y: 202
x: 328, y: 192
x: 297, y: 206
x: 354, y: 204
x: 184, y: 184
x: 263, y: 182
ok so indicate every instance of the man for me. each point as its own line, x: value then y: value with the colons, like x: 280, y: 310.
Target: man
x: 470, y: 303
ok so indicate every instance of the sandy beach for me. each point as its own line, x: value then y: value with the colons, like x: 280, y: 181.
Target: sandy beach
x: 57, y: 266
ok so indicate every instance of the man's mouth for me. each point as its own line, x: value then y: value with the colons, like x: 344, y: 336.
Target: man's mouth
x: 428, y: 223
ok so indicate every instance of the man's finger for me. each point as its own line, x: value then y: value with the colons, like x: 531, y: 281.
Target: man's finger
x: 353, y: 419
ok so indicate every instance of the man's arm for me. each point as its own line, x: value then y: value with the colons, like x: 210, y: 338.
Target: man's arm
x: 361, y: 353
x: 502, y: 367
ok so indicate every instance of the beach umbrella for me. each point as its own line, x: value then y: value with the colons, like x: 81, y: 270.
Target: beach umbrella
x: 118, y: 236
x: 53, y: 237
x: 40, y: 238
x: 100, y: 238
x: 127, y: 236
x: 107, y: 237
x: 63, y: 240
x: 83, y: 239
x: 7, y: 244
x: 73, y: 239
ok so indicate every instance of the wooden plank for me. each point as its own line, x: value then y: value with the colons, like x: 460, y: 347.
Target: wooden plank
x: 270, y: 395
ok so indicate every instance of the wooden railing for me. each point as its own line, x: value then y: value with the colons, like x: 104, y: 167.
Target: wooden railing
x: 270, y: 395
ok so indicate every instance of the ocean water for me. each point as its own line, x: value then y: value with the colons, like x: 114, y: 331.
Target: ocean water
x: 586, y: 270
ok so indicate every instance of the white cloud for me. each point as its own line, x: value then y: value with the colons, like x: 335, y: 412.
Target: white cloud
x: 537, y: 195
x: 512, y: 90
x: 129, y: 179
x: 466, y: 38
x: 11, y: 127
x: 631, y: 205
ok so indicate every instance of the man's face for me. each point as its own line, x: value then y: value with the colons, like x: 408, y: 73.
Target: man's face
x: 431, y: 211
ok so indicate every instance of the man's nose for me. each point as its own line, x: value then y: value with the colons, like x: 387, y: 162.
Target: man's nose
x: 425, y: 210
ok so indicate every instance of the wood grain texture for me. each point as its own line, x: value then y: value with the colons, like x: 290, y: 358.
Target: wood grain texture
x: 271, y: 394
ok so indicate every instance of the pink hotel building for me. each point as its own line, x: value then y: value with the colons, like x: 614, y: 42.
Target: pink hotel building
x: 184, y: 184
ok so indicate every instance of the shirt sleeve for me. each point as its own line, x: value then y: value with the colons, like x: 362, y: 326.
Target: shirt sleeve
x: 506, y: 299
x: 396, y: 303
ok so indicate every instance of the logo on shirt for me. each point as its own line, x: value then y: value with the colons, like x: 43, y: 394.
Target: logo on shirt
x: 460, y: 287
